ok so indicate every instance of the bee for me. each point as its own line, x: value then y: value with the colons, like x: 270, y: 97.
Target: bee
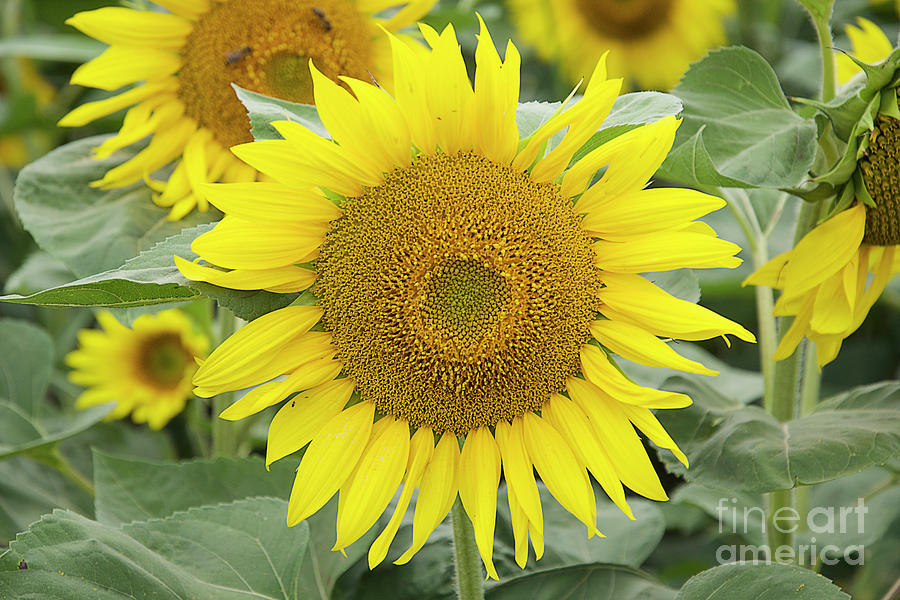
x: 236, y: 56
x: 23, y: 565
x: 326, y: 24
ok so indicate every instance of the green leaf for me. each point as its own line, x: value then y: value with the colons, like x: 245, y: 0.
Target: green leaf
x: 152, y: 278
x: 88, y: 229
x: 583, y: 582
x: 28, y: 490
x: 738, y: 129
x: 262, y: 110
x: 129, y: 489
x: 74, y: 48
x: 26, y: 357
x: 745, y: 581
x: 230, y: 551
x: 531, y: 115
x: 21, y: 435
x: 133, y: 490
x: 733, y: 446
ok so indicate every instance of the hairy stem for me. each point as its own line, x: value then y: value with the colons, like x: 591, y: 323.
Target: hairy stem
x: 468, y: 561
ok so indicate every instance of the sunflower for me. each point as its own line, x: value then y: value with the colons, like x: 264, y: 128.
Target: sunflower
x: 651, y: 42
x: 869, y: 45
x: 825, y: 279
x: 468, y: 287
x: 187, y: 61
x: 145, y: 371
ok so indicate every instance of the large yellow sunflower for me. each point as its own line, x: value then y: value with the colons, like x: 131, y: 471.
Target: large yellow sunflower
x: 187, y: 61
x: 468, y: 286
x: 651, y: 42
x: 145, y: 370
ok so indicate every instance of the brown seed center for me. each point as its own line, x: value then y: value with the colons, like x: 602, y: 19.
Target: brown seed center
x: 625, y: 19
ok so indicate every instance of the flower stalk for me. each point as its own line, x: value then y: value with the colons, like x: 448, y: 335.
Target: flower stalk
x: 468, y: 564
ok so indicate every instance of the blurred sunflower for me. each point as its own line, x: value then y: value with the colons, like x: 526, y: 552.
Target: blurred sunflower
x: 869, y: 44
x: 651, y: 42
x: 460, y: 274
x: 187, y: 61
x: 14, y: 151
x: 145, y: 370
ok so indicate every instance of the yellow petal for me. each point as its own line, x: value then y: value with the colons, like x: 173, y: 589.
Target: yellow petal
x: 420, y: 453
x: 519, y: 526
x: 144, y: 28
x: 600, y: 370
x: 633, y: 158
x: 330, y: 459
x: 641, y: 346
x: 517, y: 467
x: 644, y: 420
x: 298, y: 421
x: 409, y: 68
x: 496, y: 99
x: 271, y: 202
x: 164, y: 146
x: 560, y: 470
x: 121, y: 65
x: 308, y: 375
x: 479, y: 477
x: 618, y: 216
x: 633, y: 299
x: 574, y: 426
x: 280, y: 280
x: 798, y: 329
x: 618, y: 438
x: 239, y: 244
x: 91, y: 111
x: 378, y: 474
x: 770, y: 274
x: 449, y: 93
x: 254, y: 343
x: 664, y: 251
x: 835, y: 301
x: 437, y: 492
x: 825, y: 250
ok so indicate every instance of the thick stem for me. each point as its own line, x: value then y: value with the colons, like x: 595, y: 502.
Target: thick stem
x: 766, y: 323
x: 779, y: 524
x: 822, y: 23
x: 468, y: 561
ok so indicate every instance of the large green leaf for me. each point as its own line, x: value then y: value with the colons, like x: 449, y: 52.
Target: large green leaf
x: 738, y: 129
x: 26, y: 358
x: 745, y: 581
x: 27, y: 423
x: 28, y: 490
x: 583, y: 582
x: 734, y: 446
x: 152, y: 278
x: 129, y: 489
x: 88, y: 229
x: 234, y: 551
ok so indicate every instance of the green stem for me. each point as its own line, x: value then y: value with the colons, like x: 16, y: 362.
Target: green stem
x: 809, y: 392
x: 468, y: 560
x: 781, y: 505
x: 61, y: 464
x: 768, y: 340
x: 822, y: 23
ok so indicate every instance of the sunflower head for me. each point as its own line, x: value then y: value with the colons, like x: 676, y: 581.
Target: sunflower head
x: 185, y: 61
x: 145, y: 370
x: 651, y: 42
x: 463, y: 286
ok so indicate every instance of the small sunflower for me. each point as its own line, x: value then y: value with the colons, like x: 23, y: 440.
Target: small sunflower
x: 834, y: 275
x: 869, y: 44
x: 187, y: 60
x: 467, y: 287
x: 651, y: 42
x: 145, y: 370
